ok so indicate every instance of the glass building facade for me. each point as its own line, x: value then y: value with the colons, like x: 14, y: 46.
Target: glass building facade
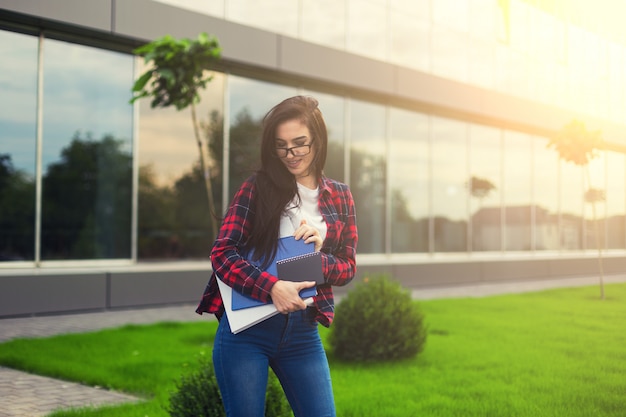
x: 86, y: 177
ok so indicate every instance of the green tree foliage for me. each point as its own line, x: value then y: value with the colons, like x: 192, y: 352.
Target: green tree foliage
x: 377, y: 321
x: 178, y: 70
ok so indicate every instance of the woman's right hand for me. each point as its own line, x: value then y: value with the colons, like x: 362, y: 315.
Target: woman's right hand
x: 286, y: 295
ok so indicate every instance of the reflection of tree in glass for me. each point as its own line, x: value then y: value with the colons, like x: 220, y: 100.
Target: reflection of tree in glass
x: 575, y: 144
x: 86, y: 201
x: 480, y: 187
x: 179, y: 72
x: 245, y: 148
x: 17, y: 212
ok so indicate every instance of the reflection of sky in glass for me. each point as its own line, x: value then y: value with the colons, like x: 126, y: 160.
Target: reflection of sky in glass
x: 517, y: 169
x: 256, y: 96
x: 18, y: 87
x: 408, y: 151
x: 86, y: 90
x: 485, y: 163
x: 616, y: 177
x: 514, y: 47
x: 279, y: 16
x: 449, y: 164
x: 166, y: 137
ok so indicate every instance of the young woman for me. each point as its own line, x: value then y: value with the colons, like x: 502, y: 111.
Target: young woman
x: 288, y: 196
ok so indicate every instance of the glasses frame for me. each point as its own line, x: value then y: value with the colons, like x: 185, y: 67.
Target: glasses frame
x: 286, y: 151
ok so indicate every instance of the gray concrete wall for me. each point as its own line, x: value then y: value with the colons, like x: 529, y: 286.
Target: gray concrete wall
x: 32, y: 292
x: 71, y: 290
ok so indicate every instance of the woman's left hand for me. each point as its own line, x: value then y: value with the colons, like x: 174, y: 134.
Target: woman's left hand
x: 310, y: 235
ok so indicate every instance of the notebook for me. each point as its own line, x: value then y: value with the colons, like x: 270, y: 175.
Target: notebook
x: 288, y: 247
x: 240, y: 320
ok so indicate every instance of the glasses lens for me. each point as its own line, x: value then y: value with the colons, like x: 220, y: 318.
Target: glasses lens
x: 301, y: 150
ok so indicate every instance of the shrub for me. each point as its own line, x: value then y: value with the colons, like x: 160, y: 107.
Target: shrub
x: 377, y: 321
x: 198, y: 395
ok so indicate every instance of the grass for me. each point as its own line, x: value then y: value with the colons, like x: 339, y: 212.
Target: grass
x: 557, y: 353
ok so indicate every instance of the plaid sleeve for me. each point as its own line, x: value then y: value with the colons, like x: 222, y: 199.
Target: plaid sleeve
x: 227, y: 258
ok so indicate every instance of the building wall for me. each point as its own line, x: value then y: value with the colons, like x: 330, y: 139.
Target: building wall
x: 266, y: 56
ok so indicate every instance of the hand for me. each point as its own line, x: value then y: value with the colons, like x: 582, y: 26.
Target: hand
x: 286, y: 295
x: 310, y: 235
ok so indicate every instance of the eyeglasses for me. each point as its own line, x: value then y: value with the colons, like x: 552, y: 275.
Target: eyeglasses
x: 299, y: 150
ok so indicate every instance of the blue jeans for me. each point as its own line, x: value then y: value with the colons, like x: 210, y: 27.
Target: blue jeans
x: 288, y: 343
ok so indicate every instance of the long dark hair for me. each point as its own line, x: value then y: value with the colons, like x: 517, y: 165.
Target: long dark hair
x: 275, y: 185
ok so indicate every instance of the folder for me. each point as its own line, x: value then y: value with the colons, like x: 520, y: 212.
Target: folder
x: 288, y: 248
x: 240, y: 320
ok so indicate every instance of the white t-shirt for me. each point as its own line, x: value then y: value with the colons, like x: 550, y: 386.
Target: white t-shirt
x: 308, y: 210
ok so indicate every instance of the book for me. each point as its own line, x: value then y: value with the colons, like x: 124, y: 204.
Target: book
x: 307, y: 267
x: 288, y: 248
x: 240, y: 320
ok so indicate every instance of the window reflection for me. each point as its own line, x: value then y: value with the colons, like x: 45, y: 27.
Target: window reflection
x: 571, y: 190
x: 367, y: 31
x: 595, y: 202
x: 518, y: 200
x: 324, y: 22
x: 278, y: 16
x: 449, y: 185
x: 485, y: 188
x: 18, y: 79
x: 368, y: 168
x: 545, y: 186
x: 87, y: 161
x: 250, y: 100
x: 616, y: 201
x: 174, y: 214
x: 409, y: 181
x: 333, y: 110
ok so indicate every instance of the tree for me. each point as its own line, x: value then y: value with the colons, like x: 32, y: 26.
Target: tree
x: 480, y: 187
x: 575, y: 144
x: 179, y: 72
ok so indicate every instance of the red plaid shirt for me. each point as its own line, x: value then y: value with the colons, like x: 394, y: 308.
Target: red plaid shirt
x: 338, y: 251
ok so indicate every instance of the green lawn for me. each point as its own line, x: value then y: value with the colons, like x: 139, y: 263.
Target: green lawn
x: 553, y: 353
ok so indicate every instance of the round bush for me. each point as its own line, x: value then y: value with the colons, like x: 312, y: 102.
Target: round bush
x: 377, y: 321
x: 198, y: 395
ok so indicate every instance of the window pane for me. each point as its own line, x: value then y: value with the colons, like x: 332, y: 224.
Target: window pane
x: 87, y: 160
x: 518, y: 202
x: 367, y: 32
x: 333, y: 110
x: 278, y: 16
x: 409, y: 41
x: 594, y: 199
x: 546, y: 195
x: 616, y: 201
x: 367, y: 173
x: 176, y: 218
x: 250, y: 100
x: 485, y: 188
x: 324, y: 22
x: 409, y: 180
x: 571, y: 191
x: 450, y: 176
x: 18, y: 78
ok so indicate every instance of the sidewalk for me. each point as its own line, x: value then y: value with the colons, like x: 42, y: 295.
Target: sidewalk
x: 27, y: 395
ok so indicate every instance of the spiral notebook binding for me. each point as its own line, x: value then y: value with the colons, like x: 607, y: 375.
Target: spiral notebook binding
x: 295, y: 258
